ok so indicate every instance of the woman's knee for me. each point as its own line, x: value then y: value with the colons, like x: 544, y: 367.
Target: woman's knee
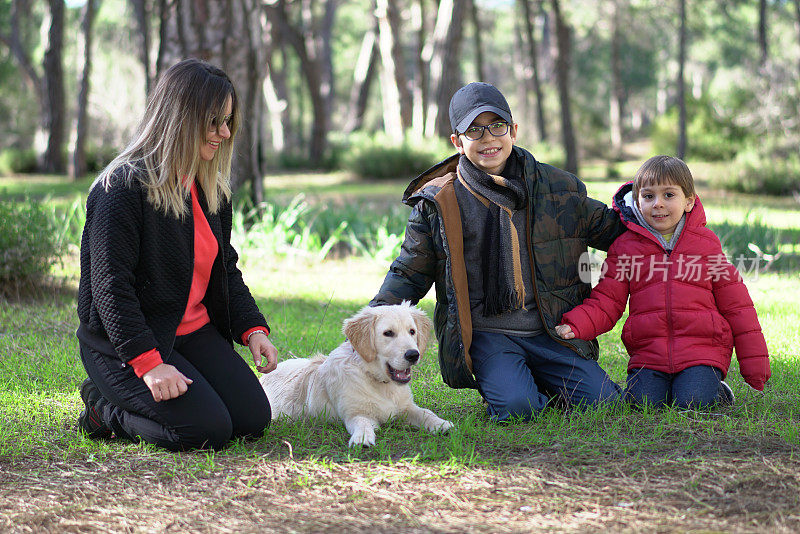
x: 213, y: 431
x: 255, y: 422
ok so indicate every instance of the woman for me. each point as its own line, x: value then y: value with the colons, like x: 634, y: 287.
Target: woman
x: 160, y: 298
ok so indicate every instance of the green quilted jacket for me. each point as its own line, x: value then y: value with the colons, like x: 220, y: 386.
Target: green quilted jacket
x: 562, y: 221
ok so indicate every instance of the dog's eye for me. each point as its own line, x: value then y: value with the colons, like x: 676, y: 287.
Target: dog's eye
x: 389, y: 333
x: 412, y: 331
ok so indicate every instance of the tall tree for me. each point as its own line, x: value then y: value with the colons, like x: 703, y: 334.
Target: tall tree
x: 444, y: 51
x: 77, y: 165
x: 797, y: 28
x: 363, y: 74
x: 53, y: 113
x: 421, y: 89
x: 232, y: 39
x: 141, y: 12
x: 478, y: 40
x: 563, y: 63
x: 396, y: 96
x: 533, y: 79
x: 311, y: 42
x: 617, y: 93
x: 681, y: 82
x: 762, y: 32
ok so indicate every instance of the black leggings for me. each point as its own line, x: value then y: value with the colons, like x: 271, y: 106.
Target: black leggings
x: 224, y: 401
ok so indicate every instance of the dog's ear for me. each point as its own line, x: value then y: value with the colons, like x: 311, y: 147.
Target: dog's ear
x: 424, y: 327
x: 360, y: 331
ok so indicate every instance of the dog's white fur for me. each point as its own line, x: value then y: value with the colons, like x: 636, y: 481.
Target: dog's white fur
x: 364, y: 381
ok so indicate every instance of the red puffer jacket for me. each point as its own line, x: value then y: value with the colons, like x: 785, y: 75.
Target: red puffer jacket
x: 689, y: 307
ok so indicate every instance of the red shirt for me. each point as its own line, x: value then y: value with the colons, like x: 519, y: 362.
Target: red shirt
x: 195, y: 317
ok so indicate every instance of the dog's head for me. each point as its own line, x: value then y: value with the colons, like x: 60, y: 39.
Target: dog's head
x: 391, y: 338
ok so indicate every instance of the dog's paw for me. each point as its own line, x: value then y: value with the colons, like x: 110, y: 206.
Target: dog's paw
x: 362, y: 436
x: 439, y: 426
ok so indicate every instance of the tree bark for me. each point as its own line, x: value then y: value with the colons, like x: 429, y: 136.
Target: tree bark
x: 533, y: 55
x: 142, y: 15
x: 77, y: 167
x: 53, y: 116
x: 421, y: 66
x: 13, y: 41
x: 393, y: 82
x: 476, y: 27
x: 681, y: 82
x: 797, y: 28
x: 444, y: 54
x: 363, y: 74
x: 762, y: 32
x: 302, y: 42
x: 231, y: 36
x: 563, y: 60
x: 617, y: 93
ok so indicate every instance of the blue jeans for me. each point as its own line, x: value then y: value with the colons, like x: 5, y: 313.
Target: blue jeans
x: 694, y: 387
x: 517, y: 376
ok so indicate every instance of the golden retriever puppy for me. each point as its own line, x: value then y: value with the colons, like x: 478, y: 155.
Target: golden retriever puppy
x: 364, y: 381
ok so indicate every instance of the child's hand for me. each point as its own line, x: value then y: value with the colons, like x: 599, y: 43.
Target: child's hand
x: 565, y: 331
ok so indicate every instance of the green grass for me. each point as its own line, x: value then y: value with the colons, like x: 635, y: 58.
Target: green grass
x: 587, y: 453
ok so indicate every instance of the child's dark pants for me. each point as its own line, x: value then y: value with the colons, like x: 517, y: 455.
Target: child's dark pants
x: 518, y: 376
x: 694, y: 387
x: 224, y: 400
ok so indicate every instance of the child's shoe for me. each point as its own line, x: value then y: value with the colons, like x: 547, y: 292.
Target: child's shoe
x: 725, y: 396
x: 89, y: 420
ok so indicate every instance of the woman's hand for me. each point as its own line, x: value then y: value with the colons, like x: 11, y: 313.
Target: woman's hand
x: 166, y: 382
x: 565, y: 331
x: 260, y: 346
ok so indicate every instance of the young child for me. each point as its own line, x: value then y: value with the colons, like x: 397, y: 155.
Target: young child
x: 688, y: 305
x: 500, y: 234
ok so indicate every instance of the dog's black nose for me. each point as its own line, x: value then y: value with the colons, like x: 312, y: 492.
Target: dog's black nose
x: 411, y: 355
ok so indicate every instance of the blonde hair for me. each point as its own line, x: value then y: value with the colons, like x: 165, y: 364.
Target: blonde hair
x: 188, y: 102
x: 662, y: 170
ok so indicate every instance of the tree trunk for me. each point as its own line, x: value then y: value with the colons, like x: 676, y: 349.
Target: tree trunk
x: 231, y: 36
x: 390, y: 79
x: 682, y: 142
x: 302, y: 40
x: 421, y: 66
x: 533, y: 55
x: 142, y: 16
x: 53, y: 119
x: 476, y: 27
x: 617, y: 93
x: 77, y: 166
x: 797, y: 28
x: 13, y: 41
x: 444, y: 53
x: 762, y: 32
x: 562, y: 77
x: 363, y: 74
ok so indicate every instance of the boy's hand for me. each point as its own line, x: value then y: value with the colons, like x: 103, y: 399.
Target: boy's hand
x: 565, y: 331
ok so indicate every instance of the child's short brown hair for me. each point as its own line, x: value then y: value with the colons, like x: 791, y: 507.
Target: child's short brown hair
x: 660, y: 170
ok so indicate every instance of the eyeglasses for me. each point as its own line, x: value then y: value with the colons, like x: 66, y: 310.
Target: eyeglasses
x: 497, y: 129
x: 216, y: 124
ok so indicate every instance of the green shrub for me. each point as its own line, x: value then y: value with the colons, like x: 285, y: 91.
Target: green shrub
x: 377, y: 156
x: 29, y: 243
x: 769, y: 171
x: 709, y: 136
x: 17, y: 160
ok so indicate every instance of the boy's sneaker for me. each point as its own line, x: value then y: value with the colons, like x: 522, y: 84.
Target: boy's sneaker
x: 89, y: 420
x: 725, y: 396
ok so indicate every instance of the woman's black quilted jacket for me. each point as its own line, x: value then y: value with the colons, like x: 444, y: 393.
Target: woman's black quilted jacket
x: 136, y: 272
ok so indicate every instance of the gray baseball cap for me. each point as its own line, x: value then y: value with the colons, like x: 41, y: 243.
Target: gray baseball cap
x: 472, y: 100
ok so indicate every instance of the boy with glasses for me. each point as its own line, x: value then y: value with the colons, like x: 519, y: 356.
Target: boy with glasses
x: 500, y: 235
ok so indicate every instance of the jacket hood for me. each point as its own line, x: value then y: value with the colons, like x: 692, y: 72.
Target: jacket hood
x: 622, y: 202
